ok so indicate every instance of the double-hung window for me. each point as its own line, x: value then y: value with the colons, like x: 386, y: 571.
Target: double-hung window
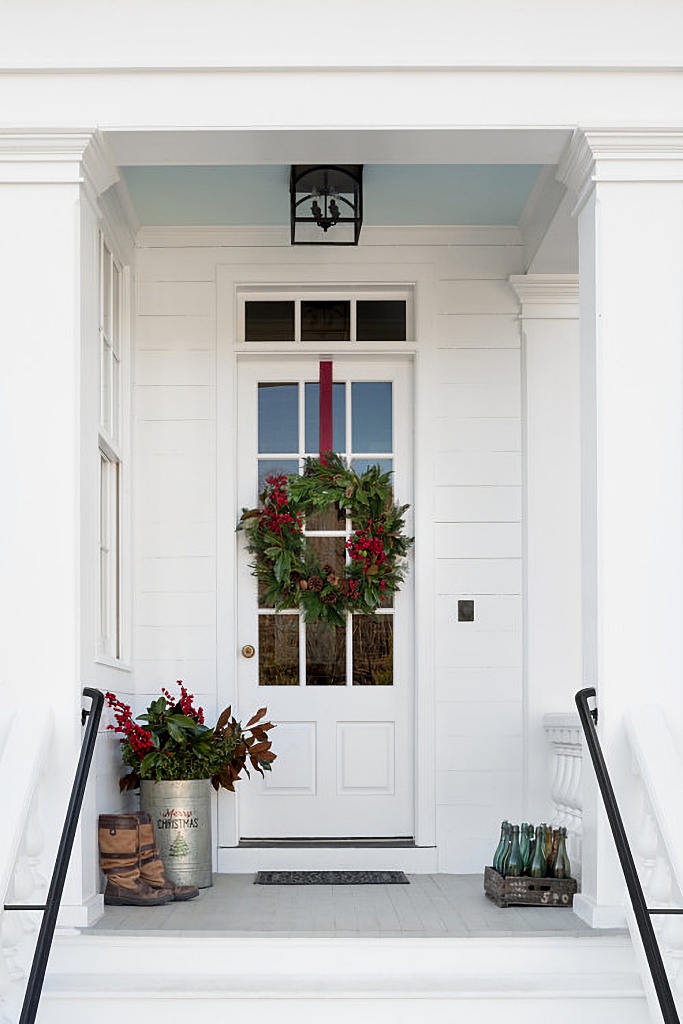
x: 110, y: 449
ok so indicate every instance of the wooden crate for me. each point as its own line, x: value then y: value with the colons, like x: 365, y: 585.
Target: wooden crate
x: 528, y: 892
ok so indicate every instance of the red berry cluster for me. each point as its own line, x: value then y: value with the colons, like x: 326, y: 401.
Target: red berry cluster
x: 275, y: 502
x: 367, y: 546
x: 185, y: 703
x: 139, y: 739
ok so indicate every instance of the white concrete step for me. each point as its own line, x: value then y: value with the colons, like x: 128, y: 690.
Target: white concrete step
x: 166, y: 979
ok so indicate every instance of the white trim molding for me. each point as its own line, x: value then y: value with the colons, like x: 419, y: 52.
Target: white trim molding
x: 620, y: 155
x: 231, y: 236
x: 547, y: 296
x: 59, y: 157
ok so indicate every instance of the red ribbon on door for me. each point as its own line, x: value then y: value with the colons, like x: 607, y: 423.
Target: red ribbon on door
x: 325, y: 442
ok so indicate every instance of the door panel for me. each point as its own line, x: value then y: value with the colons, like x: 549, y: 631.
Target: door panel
x: 342, y: 698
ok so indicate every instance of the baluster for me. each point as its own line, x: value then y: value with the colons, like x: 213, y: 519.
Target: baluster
x: 34, y: 845
x: 574, y: 817
x: 671, y: 940
x: 11, y: 936
x: 5, y: 976
x: 646, y: 848
x: 24, y: 890
x: 659, y: 889
x: 560, y: 793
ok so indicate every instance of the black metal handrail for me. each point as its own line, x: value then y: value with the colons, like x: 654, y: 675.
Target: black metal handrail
x: 640, y: 909
x: 52, y: 903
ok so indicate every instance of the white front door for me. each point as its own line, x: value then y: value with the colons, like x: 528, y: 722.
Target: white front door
x: 342, y: 699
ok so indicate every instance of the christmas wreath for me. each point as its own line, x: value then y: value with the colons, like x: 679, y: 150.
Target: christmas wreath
x: 288, y: 569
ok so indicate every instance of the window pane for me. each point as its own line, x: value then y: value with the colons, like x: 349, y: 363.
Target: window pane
x: 371, y: 416
x: 313, y: 417
x: 106, y: 299
x: 275, y: 467
x: 325, y: 655
x: 115, y: 309
x: 269, y: 321
x: 360, y: 465
x: 278, y: 417
x: 105, y: 384
x: 380, y: 321
x: 373, y: 650
x: 278, y: 639
x: 331, y: 519
x: 325, y: 321
x: 330, y: 553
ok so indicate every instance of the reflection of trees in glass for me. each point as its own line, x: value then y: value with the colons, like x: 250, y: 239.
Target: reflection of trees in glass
x: 325, y: 655
x: 373, y: 650
x: 278, y: 650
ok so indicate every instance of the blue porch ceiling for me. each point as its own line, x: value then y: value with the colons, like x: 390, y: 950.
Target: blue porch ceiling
x: 426, y: 194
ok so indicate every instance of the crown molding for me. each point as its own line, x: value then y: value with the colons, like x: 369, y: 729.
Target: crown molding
x: 99, y: 167
x: 255, y: 236
x: 57, y: 157
x: 547, y: 296
x: 620, y: 155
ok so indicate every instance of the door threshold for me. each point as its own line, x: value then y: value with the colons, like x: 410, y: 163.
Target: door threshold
x: 326, y: 855
x: 400, y: 843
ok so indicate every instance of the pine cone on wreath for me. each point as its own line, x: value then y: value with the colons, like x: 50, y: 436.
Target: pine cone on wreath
x: 315, y: 583
x: 328, y: 598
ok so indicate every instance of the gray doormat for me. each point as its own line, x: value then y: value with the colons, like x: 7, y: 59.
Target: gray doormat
x: 331, y: 878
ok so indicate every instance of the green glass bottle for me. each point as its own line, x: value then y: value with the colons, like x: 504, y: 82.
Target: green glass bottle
x: 502, y: 846
x: 560, y: 867
x: 524, y: 843
x: 515, y: 864
x: 548, y: 843
x: 506, y: 852
x: 537, y: 868
x: 531, y: 847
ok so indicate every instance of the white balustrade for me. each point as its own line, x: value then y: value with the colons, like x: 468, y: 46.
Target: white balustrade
x: 656, y: 834
x: 565, y: 742
x: 22, y: 872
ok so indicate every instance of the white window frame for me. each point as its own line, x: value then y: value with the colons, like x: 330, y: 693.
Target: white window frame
x: 112, y: 290
x: 352, y: 294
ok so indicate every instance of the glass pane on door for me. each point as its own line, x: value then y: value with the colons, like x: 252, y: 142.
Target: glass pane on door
x: 371, y: 416
x: 325, y: 655
x: 278, y: 650
x: 373, y: 650
x: 278, y: 418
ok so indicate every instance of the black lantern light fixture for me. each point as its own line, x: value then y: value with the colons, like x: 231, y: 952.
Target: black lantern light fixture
x: 326, y: 204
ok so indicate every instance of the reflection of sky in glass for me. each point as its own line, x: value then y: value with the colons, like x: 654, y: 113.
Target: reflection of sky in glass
x: 360, y: 465
x: 371, y: 416
x: 275, y: 467
x: 278, y: 418
x: 313, y: 417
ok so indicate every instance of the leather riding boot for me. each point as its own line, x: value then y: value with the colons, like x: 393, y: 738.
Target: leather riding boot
x: 152, y: 870
x: 119, y: 860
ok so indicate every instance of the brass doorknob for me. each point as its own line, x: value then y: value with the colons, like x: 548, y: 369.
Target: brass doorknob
x: 248, y: 651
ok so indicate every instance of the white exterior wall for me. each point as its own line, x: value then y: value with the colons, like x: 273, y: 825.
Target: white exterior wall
x: 468, y: 390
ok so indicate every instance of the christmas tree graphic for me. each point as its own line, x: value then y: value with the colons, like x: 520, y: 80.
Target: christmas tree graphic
x: 179, y: 847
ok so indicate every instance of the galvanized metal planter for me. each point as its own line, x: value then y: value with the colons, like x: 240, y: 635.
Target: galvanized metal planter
x: 181, y: 812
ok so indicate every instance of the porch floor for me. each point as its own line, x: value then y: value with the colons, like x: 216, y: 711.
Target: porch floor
x: 431, y: 906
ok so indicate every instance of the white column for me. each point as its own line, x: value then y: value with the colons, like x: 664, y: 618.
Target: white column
x: 552, y: 517
x: 629, y: 187
x: 48, y: 188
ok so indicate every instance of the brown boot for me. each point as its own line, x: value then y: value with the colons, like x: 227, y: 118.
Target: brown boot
x: 152, y: 867
x: 119, y: 855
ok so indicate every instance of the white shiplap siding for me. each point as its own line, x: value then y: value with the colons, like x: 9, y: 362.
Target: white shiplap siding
x: 475, y: 353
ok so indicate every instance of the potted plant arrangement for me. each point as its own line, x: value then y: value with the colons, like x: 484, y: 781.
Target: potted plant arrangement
x: 175, y: 758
